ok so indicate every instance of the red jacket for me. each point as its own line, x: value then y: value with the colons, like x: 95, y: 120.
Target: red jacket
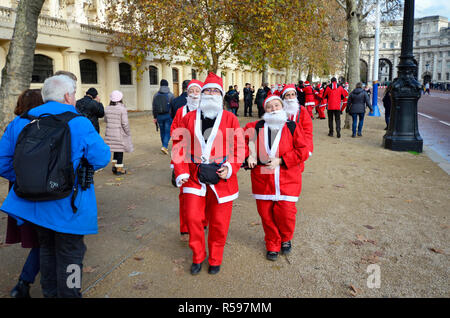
x: 284, y: 182
x: 309, y: 95
x: 334, y: 94
x: 306, y: 122
x: 226, y: 140
x: 181, y: 112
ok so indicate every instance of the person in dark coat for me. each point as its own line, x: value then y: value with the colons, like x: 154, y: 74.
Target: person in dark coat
x: 248, y: 99
x: 356, y: 106
x: 179, y: 101
x: 387, y: 105
x: 25, y: 233
x: 261, y: 95
x: 90, y: 107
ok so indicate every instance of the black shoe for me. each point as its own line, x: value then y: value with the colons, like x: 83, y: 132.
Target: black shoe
x: 338, y: 135
x: 359, y: 134
x: 286, y: 247
x: 330, y: 134
x: 353, y: 135
x: 213, y: 269
x: 272, y: 256
x: 196, y: 268
x: 21, y: 290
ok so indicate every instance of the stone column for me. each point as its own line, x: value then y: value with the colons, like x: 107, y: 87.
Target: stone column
x: 2, y: 60
x: 434, y: 77
x: 420, y: 66
x: 370, y: 69
x: 394, y: 65
x: 167, y: 74
x: 112, y: 74
x: 144, y: 101
x: 72, y: 64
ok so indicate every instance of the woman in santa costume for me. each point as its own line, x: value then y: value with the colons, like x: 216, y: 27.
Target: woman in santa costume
x: 213, y: 151
x: 298, y: 113
x: 309, y: 98
x: 276, y: 148
x: 193, y: 99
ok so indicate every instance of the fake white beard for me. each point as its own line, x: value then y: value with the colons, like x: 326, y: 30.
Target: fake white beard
x: 291, y: 106
x: 276, y: 119
x: 193, y: 101
x: 211, y: 105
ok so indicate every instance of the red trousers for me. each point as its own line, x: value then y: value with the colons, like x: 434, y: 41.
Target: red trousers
x: 310, y: 110
x: 183, y: 223
x: 218, y: 217
x: 321, y: 110
x: 278, y: 220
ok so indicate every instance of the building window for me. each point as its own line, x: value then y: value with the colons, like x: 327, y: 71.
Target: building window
x: 447, y: 76
x: 417, y: 43
x: 392, y: 45
x: 153, y: 73
x: 125, y: 74
x: 429, y: 42
x: 439, y: 76
x: 175, y: 75
x: 194, y: 74
x: 42, y: 68
x: 440, y: 54
x: 384, y: 45
x: 88, y: 71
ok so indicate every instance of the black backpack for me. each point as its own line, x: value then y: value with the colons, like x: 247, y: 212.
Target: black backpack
x: 161, y: 104
x: 42, y: 158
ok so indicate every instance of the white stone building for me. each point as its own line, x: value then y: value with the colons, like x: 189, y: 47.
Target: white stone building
x: 431, y: 50
x: 69, y: 38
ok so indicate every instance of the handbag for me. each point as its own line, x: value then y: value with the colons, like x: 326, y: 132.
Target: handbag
x: 207, y: 172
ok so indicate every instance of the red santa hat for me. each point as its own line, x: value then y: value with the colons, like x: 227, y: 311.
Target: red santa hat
x: 195, y: 82
x: 306, y: 83
x: 287, y: 88
x: 270, y: 97
x: 213, y: 81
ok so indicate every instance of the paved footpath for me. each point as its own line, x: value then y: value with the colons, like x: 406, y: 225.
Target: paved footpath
x: 360, y: 205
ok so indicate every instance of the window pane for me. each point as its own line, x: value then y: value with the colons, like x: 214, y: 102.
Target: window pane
x: 153, y: 73
x: 125, y: 74
x: 175, y: 75
x: 42, y: 68
x: 88, y: 70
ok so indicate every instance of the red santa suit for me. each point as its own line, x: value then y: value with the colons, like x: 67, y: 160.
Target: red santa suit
x: 309, y: 98
x: 225, y: 145
x: 176, y: 123
x: 277, y: 190
x: 319, y: 102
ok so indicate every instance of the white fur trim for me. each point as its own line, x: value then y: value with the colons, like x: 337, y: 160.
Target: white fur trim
x: 194, y: 84
x: 268, y: 99
x: 181, y: 176
x: 230, y: 169
x: 119, y: 165
x: 271, y: 197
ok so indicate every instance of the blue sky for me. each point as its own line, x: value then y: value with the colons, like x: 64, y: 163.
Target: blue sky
x: 424, y: 8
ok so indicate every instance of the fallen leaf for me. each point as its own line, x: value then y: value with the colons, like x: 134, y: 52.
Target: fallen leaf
x: 141, y: 285
x: 369, y: 227
x: 131, y: 207
x: 179, y: 261
x: 138, y: 258
x: 372, y: 242
x: 379, y: 253
x: 353, y: 290
x: 357, y: 242
x: 435, y: 250
x: 339, y: 185
x: 408, y: 201
x: 89, y: 269
x: 254, y: 223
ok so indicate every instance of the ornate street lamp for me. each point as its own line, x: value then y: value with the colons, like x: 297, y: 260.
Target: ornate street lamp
x: 403, y: 132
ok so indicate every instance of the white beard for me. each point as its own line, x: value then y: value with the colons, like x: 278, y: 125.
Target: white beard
x: 291, y: 106
x: 276, y: 119
x: 211, y: 105
x: 192, y: 102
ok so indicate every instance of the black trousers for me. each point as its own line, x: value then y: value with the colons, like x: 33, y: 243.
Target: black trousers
x: 260, y: 109
x: 247, y: 107
x: 337, y: 118
x: 119, y: 157
x: 61, y: 260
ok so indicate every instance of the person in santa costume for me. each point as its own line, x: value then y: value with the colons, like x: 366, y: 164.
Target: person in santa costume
x: 309, y: 97
x: 213, y: 152
x: 334, y: 93
x: 298, y: 113
x: 276, y: 149
x: 193, y: 100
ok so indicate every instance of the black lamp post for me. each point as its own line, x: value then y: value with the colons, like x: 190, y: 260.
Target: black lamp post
x: 403, y: 132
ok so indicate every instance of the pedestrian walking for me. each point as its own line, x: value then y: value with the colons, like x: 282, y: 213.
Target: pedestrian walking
x: 232, y: 98
x: 25, y: 233
x: 194, y: 88
x: 117, y: 133
x: 208, y: 173
x: 276, y: 149
x: 358, y: 100
x: 180, y: 101
x: 248, y: 99
x: 387, y: 101
x: 70, y: 212
x: 427, y: 88
x: 90, y: 107
x: 261, y: 95
x: 334, y: 94
x: 161, y: 113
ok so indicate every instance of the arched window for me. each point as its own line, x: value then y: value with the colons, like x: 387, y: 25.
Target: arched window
x: 125, y: 74
x: 88, y: 71
x: 42, y: 68
x: 153, y: 73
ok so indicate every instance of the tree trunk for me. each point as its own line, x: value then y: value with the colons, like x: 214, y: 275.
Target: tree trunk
x: 353, y: 49
x: 16, y: 75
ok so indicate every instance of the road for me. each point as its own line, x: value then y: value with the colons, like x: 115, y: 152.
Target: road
x: 434, y: 121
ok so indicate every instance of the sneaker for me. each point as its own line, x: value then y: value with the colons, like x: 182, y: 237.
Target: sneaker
x: 286, y: 247
x: 353, y: 136
x: 164, y: 150
x: 272, y: 256
x: 330, y: 134
x: 359, y: 134
x: 21, y: 290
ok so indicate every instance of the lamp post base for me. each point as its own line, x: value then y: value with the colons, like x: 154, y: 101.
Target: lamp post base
x: 403, y: 143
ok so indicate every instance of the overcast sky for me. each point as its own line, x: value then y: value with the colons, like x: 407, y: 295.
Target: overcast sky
x: 424, y: 8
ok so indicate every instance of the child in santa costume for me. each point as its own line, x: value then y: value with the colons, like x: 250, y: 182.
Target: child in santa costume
x: 213, y: 152
x: 276, y: 149
x: 193, y: 99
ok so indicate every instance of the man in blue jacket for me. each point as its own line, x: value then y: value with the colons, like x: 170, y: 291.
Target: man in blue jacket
x: 60, y: 230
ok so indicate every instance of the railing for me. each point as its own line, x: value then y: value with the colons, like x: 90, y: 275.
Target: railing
x: 6, y: 14
x: 94, y: 30
x: 53, y: 23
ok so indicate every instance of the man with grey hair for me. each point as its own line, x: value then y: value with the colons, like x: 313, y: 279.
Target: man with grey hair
x: 61, y: 223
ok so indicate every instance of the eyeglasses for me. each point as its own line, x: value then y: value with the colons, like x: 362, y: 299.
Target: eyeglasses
x: 211, y: 91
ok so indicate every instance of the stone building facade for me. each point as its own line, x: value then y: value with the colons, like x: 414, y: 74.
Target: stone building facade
x: 69, y: 38
x: 431, y: 51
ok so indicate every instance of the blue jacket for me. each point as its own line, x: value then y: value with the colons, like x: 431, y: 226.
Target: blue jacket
x: 57, y: 215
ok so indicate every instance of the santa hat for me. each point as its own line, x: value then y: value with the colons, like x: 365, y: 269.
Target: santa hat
x: 306, y: 83
x: 213, y: 81
x: 270, y: 97
x: 195, y: 82
x: 287, y: 88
